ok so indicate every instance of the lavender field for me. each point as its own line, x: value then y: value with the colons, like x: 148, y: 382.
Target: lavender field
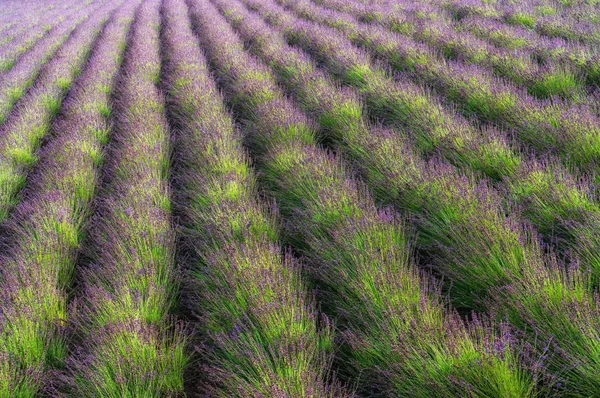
x: 300, y: 198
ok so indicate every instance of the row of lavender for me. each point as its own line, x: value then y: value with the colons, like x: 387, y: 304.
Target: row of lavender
x: 573, y: 21
x: 122, y: 337
x: 27, y: 125
x: 569, y: 200
x: 130, y: 344
x: 510, y: 33
x: 538, y: 298
x: 259, y: 332
x: 262, y: 327
x: 545, y: 290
